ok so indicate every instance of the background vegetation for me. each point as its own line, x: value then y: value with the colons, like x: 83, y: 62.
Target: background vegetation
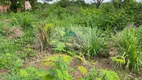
x: 72, y: 34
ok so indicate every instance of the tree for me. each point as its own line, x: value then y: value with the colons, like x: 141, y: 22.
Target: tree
x: 33, y: 3
x: 14, y: 4
x: 117, y: 3
x: 80, y: 2
x: 98, y: 3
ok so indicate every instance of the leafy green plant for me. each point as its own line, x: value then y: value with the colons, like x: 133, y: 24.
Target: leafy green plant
x: 101, y: 75
x: 109, y: 75
x: 81, y: 29
x: 127, y: 42
x: 63, y: 40
x: 119, y: 60
x: 59, y: 69
x: 29, y: 73
x: 93, y: 74
x: 5, y: 61
x: 14, y: 21
x: 82, y: 69
x: 8, y: 45
x: 60, y: 46
x: 50, y: 60
x: 26, y: 53
x: 26, y: 23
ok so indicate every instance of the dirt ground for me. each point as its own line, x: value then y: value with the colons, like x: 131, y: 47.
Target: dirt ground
x: 100, y: 63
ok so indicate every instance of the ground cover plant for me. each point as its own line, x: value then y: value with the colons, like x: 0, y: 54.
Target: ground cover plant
x: 72, y: 40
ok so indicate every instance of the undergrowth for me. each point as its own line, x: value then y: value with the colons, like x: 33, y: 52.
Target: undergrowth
x: 75, y: 29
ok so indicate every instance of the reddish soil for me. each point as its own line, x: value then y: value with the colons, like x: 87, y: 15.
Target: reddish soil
x: 37, y: 62
x: 3, y: 71
x: 14, y: 33
x: 102, y: 63
x: 6, y: 20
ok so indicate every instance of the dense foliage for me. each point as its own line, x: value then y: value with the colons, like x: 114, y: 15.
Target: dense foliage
x: 62, y: 41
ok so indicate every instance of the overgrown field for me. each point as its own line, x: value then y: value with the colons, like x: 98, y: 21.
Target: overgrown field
x: 72, y: 41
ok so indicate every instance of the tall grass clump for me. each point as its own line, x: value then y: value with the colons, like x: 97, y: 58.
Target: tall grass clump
x: 92, y: 41
x: 139, y: 34
x: 89, y: 41
x: 128, y: 43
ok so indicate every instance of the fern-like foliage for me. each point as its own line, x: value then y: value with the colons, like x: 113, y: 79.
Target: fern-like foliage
x: 59, y: 69
x: 109, y: 75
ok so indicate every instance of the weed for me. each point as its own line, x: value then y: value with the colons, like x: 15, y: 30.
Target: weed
x: 109, y: 75
x: 29, y: 73
x: 43, y: 35
x: 5, y: 61
x: 59, y: 70
x: 101, y: 75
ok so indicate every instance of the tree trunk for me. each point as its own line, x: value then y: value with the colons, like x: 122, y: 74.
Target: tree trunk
x: 98, y: 3
x: 13, y: 5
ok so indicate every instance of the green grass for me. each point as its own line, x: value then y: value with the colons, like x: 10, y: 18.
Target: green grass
x: 128, y: 44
